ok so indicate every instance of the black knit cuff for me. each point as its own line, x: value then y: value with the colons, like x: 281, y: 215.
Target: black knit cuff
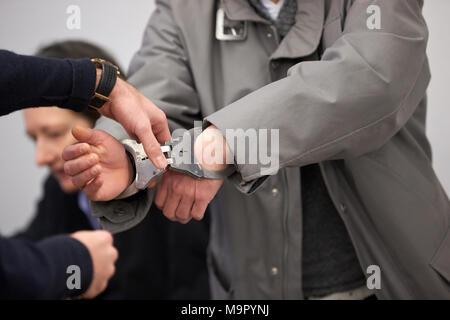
x: 65, y: 255
x: 83, y: 84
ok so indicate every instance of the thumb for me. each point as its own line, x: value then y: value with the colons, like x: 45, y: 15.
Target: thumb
x: 88, y: 135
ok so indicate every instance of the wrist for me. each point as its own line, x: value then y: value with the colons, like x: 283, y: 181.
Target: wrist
x: 211, y: 149
x: 106, y: 109
x: 106, y: 79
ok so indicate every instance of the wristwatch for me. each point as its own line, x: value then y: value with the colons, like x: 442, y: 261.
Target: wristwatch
x: 108, y: 79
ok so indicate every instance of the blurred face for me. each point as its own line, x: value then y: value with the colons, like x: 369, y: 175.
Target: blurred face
x: 50, y: 128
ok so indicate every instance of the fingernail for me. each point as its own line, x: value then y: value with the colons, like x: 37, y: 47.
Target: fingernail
x: 161, y: 161
x: 76, y: 130
x: 92, y: 159
x: 94, y: 170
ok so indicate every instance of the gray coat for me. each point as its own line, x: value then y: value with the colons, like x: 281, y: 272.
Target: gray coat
x: 343, y: 94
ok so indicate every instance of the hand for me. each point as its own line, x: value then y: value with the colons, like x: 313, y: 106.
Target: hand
x: 182, y: 198
x: 103, y: 255
x: 141, y: 119
x: 211, y: 150
x: 98, y: 164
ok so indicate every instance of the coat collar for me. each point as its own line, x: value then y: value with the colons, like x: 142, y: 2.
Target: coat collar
x: 304, y: 37
x: 241, y: 10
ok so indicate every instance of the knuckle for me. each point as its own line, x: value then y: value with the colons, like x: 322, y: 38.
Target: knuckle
x: 177, y: 187
x: 198, y: 213
x: 74, y: 167
x: 181, y: 215
x: 107, y: 237
x: 142, y: 127
x: 197, y: 216
x: 161, y: 115
x: 68, y: 168
x: 154, y: 149
x: 169, y: 215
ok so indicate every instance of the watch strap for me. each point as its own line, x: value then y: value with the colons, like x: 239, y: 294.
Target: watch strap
x: 105, y: 86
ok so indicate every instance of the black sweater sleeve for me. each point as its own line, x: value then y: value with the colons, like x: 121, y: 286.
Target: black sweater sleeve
x: 39, y: 271
x: 27, y: 81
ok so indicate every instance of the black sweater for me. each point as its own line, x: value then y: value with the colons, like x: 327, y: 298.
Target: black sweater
x: 27, y: 81
x: 38, y: 270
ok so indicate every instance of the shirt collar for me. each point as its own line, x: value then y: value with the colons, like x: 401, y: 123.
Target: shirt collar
x: 83, y: 204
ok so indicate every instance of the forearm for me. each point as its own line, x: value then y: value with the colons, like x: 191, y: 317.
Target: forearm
x: 364, y: 89
x: 39, y: 271
x: 28, y: 81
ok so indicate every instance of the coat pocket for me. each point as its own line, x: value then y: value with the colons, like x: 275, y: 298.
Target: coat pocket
x: 441, y: 259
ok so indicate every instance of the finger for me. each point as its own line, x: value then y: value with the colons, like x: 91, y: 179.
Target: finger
x: 185, y: 221
x: 88, y: 135
x: 161, y: 194
x: 76, y: 166
x: 75, y: 151
x: 198, y: 209
x: 170, y: 205
x: 160, y: 128
x: 152, y: 184
x: 183, y: 212
x: 92, y: 190
x: 151, y: 146
x: 163, y: 135
x: 81, y: 180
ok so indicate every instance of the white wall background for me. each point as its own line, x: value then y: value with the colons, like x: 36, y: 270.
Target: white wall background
x: 25, y: 25
x: 117, y: 25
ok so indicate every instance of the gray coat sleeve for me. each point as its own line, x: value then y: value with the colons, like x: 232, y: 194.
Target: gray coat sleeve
x: 352, y: 101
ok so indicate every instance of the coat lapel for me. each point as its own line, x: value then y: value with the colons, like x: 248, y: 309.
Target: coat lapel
x: 241, y: 10
x: 304, y: 37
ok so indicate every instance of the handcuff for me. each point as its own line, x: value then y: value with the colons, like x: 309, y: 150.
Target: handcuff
x: 179, y: 153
